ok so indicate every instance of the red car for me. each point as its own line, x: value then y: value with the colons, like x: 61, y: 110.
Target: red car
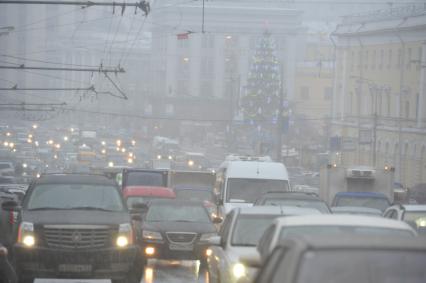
x: 143, y: 194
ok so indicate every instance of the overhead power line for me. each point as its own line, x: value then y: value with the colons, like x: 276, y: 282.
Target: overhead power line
x: 16, y: 88
x: 100, y: 69
x: 143, y: 5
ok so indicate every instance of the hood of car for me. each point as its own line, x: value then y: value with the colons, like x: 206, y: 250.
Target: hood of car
x: 83, y: 217
x: 172, y: 226
x: 234, y: 253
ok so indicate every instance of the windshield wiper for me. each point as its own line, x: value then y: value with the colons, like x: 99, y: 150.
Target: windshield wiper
x: 182, y: 221
x: 90, y: 208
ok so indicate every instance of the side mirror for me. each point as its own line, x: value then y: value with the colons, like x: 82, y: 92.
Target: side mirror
x: 10, y: 205
x: 139, y: 208
x: 252, y: 260
x: 214, y: 241
x: 217, y: 220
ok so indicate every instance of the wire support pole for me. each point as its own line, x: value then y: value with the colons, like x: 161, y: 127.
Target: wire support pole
x: 92, y: 70
x: 143, y: 5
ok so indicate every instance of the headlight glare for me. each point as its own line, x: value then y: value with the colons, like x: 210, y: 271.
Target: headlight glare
x: 122, y: 241
x: 151, y: 235
x: 238, y: 270
x: 125, y: 235
x: 26, y: 234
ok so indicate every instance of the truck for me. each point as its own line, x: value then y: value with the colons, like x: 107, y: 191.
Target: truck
x: 337, y: 179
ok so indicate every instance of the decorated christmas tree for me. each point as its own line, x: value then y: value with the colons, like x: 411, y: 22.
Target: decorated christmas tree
x: 260, y: 103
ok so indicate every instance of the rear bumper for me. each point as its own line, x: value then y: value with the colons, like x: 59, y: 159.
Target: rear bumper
x: 100, y: 263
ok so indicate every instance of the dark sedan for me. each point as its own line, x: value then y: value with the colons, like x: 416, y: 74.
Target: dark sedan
x: 298, y: 199
x: 174, y: 229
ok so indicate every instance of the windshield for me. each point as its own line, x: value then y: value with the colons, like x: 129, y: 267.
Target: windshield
x: 172, y: 213
x: 5, y: 166
x: 371, y: 202
x: 249, y: 229
x: 375, y: 266
x: 342, y: 230
x: 195, y: 195
x: 318, y: 205
x: 249, y: 190
x: 155, y: 179
x: 69, y: 196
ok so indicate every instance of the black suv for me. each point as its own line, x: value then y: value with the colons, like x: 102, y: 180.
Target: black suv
x: 75, y: 226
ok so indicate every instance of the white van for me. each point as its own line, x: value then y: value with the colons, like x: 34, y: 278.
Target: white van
x: 240, y: 181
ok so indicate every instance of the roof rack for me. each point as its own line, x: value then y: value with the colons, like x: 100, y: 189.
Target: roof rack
x: 234, y: 157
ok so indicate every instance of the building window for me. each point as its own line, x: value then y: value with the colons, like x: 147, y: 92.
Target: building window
x: 183, y: 66
x: 351, y: 100
x: 388, y: 105
x: 170, y: 109
x: 304, y: 93
x: 352, y: 60
x: 148, y: 109
x: 366, y: 60
x: 206, y: 88
x: 389, y: 58
x: 359, y: 59
x: 182, y: 88
x: 382, y: 55
x: 379, y: 106
x: 328, y: 93
x: 373, y: 60
x: 372, y: 110
x: 408, y: 59
x: 419, y: 58
x: 399, y: 61
x: 207, y: 67
x: 407, y: 109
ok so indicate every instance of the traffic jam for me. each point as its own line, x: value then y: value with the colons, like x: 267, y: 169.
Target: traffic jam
x: 213, y: 141
x: 241, y: 221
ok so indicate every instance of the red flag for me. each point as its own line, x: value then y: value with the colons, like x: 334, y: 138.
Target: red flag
x: 181, y: 36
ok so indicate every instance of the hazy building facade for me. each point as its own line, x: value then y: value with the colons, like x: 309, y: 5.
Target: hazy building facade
x: 380, y: 93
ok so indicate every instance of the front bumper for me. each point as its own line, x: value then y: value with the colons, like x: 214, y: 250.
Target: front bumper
x: 164, y: 250
x: 44, y: 262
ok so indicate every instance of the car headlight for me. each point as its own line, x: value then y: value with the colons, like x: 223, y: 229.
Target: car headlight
x: 207, y: 236
x: 125, y: 235
x: 151, y: 235
x: 26, y: 234
x: 238, y: 270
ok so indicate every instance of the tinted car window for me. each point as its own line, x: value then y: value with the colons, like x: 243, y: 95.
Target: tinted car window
x: 249, y: 228
x: 145, y: 179
x: 69, y: 196
x: 159, y: 213
x: 249, y: 190
x: 377, y: 203
x: 382, y: 266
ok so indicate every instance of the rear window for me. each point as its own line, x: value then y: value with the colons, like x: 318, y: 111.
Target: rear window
x: 378, y: 266
x: 155, y: 179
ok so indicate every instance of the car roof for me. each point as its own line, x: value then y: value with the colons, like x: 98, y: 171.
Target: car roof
x: 356, y: 241
x: 175, y: 202
x: 290, y: 195
x: 414, y: 207
x: 342, y: 220
x: 361, y: 194
x: 148, y: 191
x: 276, y: 210
x: 74, y: 178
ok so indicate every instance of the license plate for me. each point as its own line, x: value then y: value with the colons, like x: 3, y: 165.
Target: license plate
x: 75, y: 268
x: 175, y: 247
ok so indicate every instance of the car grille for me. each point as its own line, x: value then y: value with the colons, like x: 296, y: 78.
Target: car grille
x: 181, y: 237
x: 77, y: 237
